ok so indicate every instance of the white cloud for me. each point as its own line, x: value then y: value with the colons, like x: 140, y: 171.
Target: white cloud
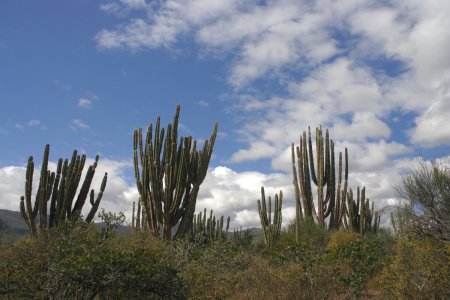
x: 347, y: 66
x: 256, y: 151
x: 364, y: 125
x: 33, y: 123
x: 432, y: 127
x: 30, y: 124
x: 12, y: 182
x: 235, y: 194
x: 203, y: 103
x: 78, y: 124
x: 84, y: 103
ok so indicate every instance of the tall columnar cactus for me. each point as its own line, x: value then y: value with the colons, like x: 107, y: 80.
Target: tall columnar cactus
x: 330, y: 199
x: 169, y: 172
x: 271, y: 227
x: 138, y: 218
x: 361, y: 218
x: 211, y: 228
x: 60, y: 189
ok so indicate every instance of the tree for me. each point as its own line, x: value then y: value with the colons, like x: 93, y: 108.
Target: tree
x: 427, y: 189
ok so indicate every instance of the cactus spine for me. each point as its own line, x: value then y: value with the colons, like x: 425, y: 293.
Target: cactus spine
x: 330, y: 200
x: 271, y: 227
x: 168, y: 175
x: 60, y: 189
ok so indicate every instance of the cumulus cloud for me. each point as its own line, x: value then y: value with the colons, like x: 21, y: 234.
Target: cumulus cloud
x: 30, y: 124
x: 345, y: 66
x: 84, y: 103
x: 33, y: 123
x: 234, y: 194
x: 432, y: 127
x: 78, y: 124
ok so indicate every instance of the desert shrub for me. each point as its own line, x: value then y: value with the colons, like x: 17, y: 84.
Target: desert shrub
x: 419, y: 269
x: 216, y: 272
x: 264, y: 280
x: 75, y: 261
x: 353, y: 261
x: 340, y: 238
x: 427, y: 189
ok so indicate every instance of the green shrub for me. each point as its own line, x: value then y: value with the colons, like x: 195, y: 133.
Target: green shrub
x: 353, y: 261
x: 419, y: 269
x: 75, y: 261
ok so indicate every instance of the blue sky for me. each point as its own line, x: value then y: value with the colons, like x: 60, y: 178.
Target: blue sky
x: 83, y: 74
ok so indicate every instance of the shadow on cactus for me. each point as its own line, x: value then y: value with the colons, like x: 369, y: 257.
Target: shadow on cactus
x: 60, y: 189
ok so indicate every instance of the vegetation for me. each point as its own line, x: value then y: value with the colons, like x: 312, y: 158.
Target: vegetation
x: 427, y: 189
x: 60, y: 189
x: 271, y: 227
x: 338, y: 251
x: 169, y: 177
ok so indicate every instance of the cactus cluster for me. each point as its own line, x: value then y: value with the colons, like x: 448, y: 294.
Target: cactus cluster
x: 271, y: 226
x: 60, y: 189
x: 334, y: 201
x: 330, y: 197
x: 211, y: 228
x: 361, y: 217
x: 169, y: 172
x: 138, y: 219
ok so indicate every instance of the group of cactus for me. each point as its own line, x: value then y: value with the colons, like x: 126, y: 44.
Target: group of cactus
x: 169, y: 171
x: 336, y: 208
x: 59, y: 188
x: 210, y: 228
x: 334, y: 200
x: 271, y: 226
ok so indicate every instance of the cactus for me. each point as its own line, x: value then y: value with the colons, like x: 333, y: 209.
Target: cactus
x: 211, y: 229
x: 168, y: 175
x: 330, y: 199
x: 361, y: 218
x: 271, y: 227
x: 60, y: 189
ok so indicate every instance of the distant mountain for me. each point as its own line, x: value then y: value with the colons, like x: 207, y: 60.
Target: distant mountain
x: 17, y: 228
x: 15, y: 225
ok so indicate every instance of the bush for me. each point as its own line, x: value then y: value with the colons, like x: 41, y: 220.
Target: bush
x: 419, y: 269
x: 354, y: 261
x: 216, y: 272
x: 427, y: 188
x: 75, y: 261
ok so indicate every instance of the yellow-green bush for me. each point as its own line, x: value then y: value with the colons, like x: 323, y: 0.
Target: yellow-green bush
x: 340, y: 238
x: 74, y: 261
x: 419, y: 269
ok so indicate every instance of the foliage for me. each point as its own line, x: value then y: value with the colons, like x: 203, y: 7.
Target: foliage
x: 427, y: 188
x: 111, y: 221
x: 419, y: 269
x: 353, y: 260
x: 216, y: 272
x: 74, y: 261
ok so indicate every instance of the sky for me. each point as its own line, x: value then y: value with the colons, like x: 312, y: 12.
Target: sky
x: 84, y: 74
